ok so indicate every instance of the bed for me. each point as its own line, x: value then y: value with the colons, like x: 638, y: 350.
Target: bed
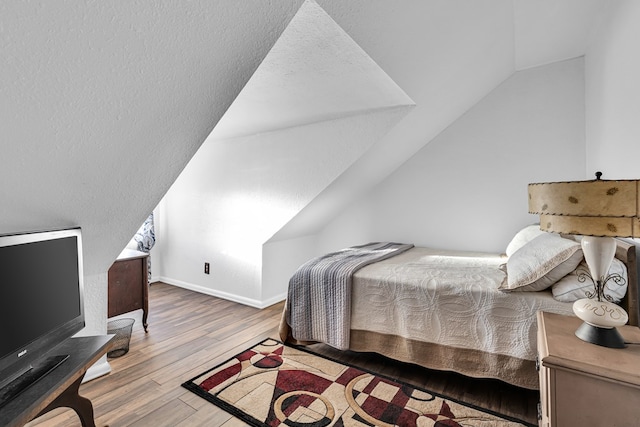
x: 467, y: 312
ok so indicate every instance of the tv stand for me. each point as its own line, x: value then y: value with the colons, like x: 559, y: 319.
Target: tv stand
x: 30, y: 377
x: 59, y: 387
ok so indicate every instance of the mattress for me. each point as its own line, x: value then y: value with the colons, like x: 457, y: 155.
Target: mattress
x: 443, y: 310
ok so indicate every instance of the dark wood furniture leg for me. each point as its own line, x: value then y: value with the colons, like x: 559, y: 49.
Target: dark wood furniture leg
x: 144, y: 320
x: 145, y: 293
x: 70, y: 398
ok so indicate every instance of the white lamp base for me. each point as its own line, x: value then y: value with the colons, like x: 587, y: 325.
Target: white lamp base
x: 600, y: 316
x: 600, y: 321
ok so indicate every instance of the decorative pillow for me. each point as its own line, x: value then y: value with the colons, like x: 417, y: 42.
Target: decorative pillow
x: 522, y: 237
x: 541, y: 263
x: 570, y: 289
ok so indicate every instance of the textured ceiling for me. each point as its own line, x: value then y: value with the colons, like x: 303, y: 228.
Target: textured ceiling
x: 317, y: 72
x: 314, y: 72
x: 550, y: 30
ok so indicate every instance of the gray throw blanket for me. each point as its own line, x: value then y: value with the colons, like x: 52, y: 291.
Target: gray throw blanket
x: 319, y: 297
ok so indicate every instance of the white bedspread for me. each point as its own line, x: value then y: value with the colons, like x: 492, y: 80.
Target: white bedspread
x: 450, y: 298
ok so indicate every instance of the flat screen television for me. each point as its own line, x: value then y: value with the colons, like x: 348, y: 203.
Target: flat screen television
x: 41, y: 303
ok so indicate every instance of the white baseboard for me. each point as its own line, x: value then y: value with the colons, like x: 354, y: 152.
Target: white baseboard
x: 98, y: 369
x: 224, y: 295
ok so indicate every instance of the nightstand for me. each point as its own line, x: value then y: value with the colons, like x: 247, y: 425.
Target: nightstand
x: 582, y: 384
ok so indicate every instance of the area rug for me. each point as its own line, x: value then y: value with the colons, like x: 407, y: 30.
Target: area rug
x: 272, y: 384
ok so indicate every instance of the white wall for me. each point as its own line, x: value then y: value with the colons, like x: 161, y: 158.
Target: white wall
x: 280, y: 260
x: 548, y: 31
x: 446, y: 55
x: 467, y: 189
x: 235, y: 194
x: 103, y: 103
x: 95, y: 296
x: 613, y: 93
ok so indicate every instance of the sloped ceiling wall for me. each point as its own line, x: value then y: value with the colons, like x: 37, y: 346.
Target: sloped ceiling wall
x: 315, y: 72
x: 467, y: 189
x: 104, y: 103
x: 445, y: 56
x: 312, y: 108
x: 547, y: 31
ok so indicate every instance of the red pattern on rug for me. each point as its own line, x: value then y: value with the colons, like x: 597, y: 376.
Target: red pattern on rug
x: 273, y: 385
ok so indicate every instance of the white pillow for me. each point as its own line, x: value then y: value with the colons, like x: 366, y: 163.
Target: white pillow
x: 540, y: 263
x: 522, y: 237
x: 570, y: 289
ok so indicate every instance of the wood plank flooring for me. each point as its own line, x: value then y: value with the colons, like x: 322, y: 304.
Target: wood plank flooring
x: 191, y: 332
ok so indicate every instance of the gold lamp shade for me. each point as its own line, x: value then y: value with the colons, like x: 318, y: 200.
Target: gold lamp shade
x: 599, y: 210
x: 588, y: 208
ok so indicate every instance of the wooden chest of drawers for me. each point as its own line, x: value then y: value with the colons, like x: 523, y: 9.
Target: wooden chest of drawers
x: 128, y: 285
x: 582, y: 384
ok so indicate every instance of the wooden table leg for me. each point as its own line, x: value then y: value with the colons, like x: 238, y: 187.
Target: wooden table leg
x: 145, y: 314
x: 71, y: 398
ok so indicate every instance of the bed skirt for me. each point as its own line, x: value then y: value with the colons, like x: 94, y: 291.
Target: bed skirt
x: 468, y: 362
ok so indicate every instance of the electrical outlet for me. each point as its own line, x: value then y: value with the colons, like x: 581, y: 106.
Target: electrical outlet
x: 206, y: 268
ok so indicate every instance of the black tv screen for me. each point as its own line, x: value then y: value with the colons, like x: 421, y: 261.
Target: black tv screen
x: 41, y: 295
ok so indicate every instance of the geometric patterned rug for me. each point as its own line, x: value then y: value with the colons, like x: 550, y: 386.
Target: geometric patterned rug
x: 273, y: 384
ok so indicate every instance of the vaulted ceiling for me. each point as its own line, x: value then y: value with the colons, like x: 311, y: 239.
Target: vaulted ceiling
x: 348, y: 92
x: 103, y: 104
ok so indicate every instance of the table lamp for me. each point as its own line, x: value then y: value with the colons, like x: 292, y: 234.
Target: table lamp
x: 599, y: 210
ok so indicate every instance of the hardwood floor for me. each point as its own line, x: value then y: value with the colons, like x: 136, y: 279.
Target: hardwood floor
x: 191, y: 332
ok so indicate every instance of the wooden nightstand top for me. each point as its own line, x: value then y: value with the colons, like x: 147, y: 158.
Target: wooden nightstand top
x: 566, y: 351
x: 131, y: 254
